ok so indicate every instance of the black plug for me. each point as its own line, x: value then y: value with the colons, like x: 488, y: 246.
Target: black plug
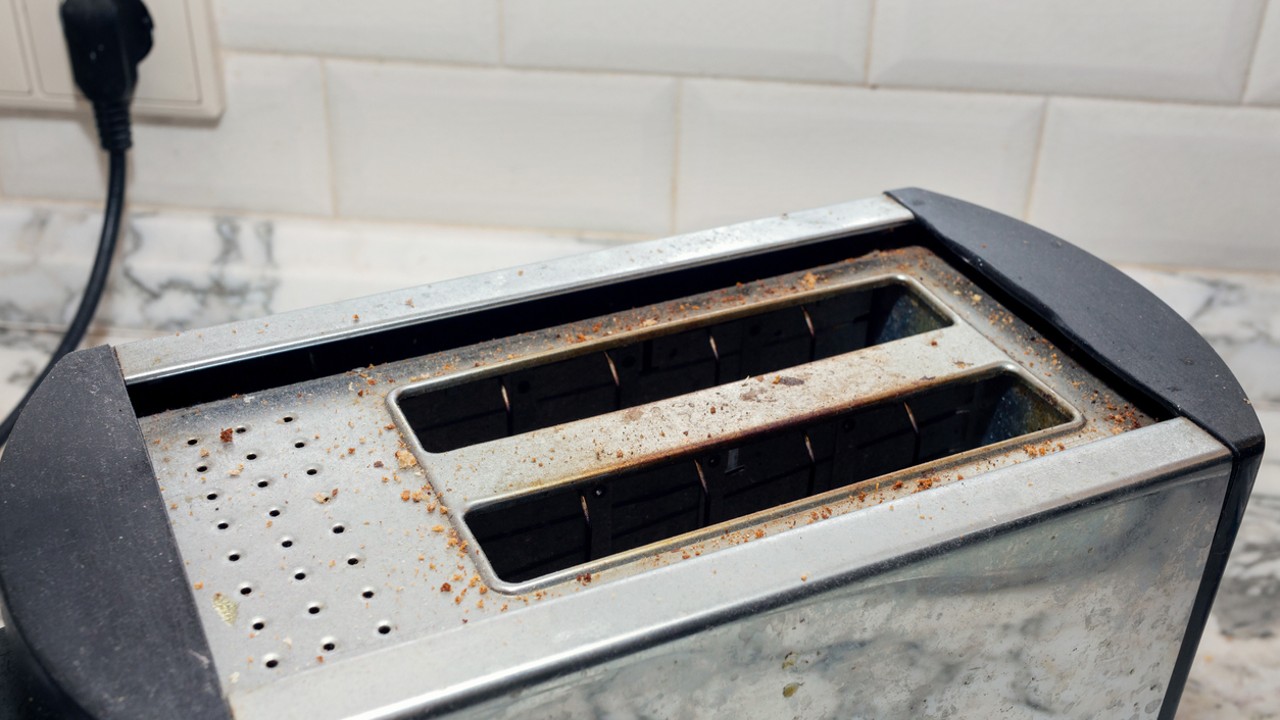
x: 106, y: 39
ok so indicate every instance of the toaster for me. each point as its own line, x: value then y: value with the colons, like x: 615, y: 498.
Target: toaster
x: 897, y: 457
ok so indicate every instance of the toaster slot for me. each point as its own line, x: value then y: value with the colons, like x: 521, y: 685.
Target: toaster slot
x: 673, y: 362
x: 539, y: 533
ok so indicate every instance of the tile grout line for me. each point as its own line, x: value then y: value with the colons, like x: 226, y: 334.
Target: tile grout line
x: 1253, y: 54
x: 1033, y: 178
x: 329, y: 139
x: 154, y: 209
x: 676, y: 139
x: 746, y: 79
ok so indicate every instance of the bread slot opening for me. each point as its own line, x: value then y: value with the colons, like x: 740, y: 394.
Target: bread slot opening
x: 664, y: 366
x: 537, y: 534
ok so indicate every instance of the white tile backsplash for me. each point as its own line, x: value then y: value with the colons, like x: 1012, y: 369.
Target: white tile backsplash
x: 799, y: 39
x: 1149, y: 183
x: 570, y: 114
x: 497, y: 147
x: 1161, y: 49
x: 749, y: 150
x: 268, y: 151
x: 1264, y: 76
x: 445, y: 30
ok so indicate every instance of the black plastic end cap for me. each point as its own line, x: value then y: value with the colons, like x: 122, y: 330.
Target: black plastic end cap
x: 1105, y: 313
x: 96, y: 599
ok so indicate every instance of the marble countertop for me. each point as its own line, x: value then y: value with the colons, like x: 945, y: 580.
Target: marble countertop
x: 176, y: 271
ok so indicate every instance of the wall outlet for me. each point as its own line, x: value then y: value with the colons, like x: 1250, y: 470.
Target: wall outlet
x: 180, y: 78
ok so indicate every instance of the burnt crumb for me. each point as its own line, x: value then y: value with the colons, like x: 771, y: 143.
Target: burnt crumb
x: 226, y: 435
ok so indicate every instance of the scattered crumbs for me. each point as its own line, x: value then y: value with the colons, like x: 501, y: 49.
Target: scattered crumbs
x: 204, y: 452
x: 404, y: 495
x: 389, y: 426
x: 409, y: 302
x: 437, y: 529
x: 406, y: 458
x: 713, y: 409
x: 804, y: 578
x: 226, y: 435
x: 320, y: 497
x: 790, y: 689
x: 789, y: 660
x: 809, y: 280
x: 236, y: 472
x: 198, y: 586
x: 378, y: 464
x: 355, y: 318
x: 446, y: 587
x: 934, y: 343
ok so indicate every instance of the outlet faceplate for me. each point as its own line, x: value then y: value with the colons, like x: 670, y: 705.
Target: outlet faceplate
x: 180, y: 78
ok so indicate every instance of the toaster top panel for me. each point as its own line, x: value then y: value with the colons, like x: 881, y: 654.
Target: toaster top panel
x: 342, y: 514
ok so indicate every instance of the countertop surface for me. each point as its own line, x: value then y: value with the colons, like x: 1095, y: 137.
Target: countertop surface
x: 176, y: 271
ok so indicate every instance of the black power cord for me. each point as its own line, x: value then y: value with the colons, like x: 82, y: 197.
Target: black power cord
x: 106, y: 39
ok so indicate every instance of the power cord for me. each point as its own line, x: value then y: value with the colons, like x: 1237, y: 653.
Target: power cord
x: 106, y: 40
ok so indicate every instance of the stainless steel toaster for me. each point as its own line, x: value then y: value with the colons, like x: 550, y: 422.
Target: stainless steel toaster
x: 899, y: 457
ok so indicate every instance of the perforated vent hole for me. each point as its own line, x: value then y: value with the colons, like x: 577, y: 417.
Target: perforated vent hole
x: 384, y: 628
x: 241, y: 429
x: 329, y: 645
x: 233, y: 556
x: 211, y: 496
x: 339, y: 529
x: 223, y: 525
x: 367, y: 594
x: 246, y: 589
x: 353, y: 560
x: 202, y: 468
x: 193, y: 441
x: 286, y: 543
x: 263, y: 483
x: 259, y: 624
x: 313, y: 470
x: 300, y: 575
x: 313, y: 608
x: 287, y: 418
x: 274, y: 512
x: 272, y: 661
x: 300, y: 444
x: 251, y: 456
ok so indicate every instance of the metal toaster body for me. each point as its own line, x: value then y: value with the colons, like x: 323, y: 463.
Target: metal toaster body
x: 901, y: 457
